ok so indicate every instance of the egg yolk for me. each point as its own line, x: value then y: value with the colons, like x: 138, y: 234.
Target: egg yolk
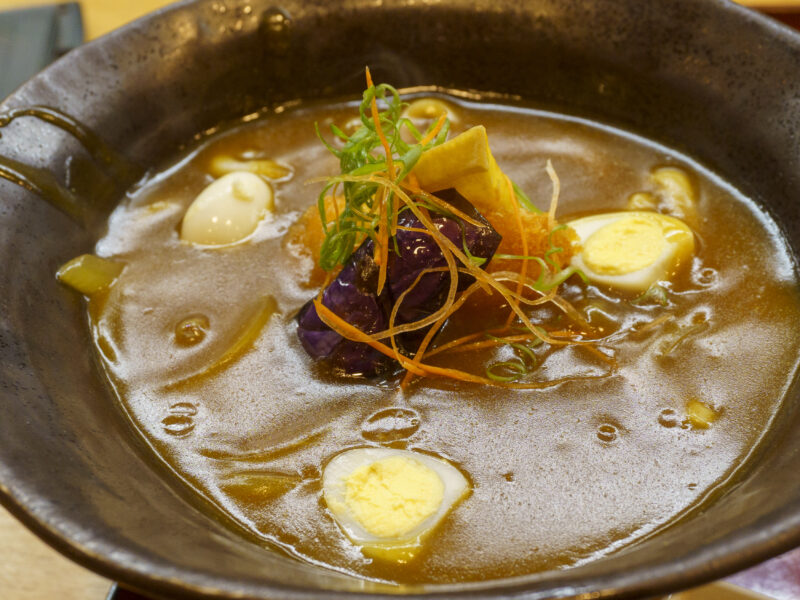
x: 624, y: 246
x: 393, y: 496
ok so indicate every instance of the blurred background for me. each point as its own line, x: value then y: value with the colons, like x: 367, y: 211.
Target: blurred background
x: 35, y: 32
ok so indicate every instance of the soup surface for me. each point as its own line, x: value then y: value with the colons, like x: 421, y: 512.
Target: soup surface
x: 558, y: 476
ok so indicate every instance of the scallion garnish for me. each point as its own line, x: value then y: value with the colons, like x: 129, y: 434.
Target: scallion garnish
x: 364, y: 153
x: 376, y: 183
x: 655, y: 294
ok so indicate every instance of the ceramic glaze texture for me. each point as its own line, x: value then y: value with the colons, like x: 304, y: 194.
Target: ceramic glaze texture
x: 704, y: 77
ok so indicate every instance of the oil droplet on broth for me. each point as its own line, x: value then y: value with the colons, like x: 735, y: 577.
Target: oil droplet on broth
x: 607, y: 433
x: 180, y: 420
x: 183, y: 409
x: 192, y: 330
x: 390, y: 424
x: 706, y: 277
x: 178, y: 425
x: 668, y: 418
x: 254, y: 488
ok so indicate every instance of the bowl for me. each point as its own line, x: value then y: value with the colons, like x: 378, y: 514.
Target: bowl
x: 708, y: 78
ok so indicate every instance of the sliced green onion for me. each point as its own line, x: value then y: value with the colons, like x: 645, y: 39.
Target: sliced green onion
x: 337, y: 153
x: 522, y: 328
x: 514, y: 256
x: 336, y: 131
x: 410, y: 159
x: 523, y: 199
x: 518, y: 371
x: 362, y: 154
x: 526, y: 351
x: 370, y: 168
x: 562, y: 276
x: 655, y: 294
x: 519, y: 368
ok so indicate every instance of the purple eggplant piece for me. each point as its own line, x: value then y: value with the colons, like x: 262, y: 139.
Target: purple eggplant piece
x: 352, y: 294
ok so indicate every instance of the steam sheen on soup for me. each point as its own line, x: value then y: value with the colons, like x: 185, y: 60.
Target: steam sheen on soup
x: 199, y: 340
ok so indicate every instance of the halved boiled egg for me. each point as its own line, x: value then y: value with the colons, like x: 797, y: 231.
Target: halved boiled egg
x: 631, y: 250
x: 387, y: 500
x: 228, y: 210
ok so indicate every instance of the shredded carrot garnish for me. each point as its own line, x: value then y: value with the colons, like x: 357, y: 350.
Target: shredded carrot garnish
x: 446, y: 206
x: 516, y: 288
x: 604, y: 357
x: 536, y: 385
x: 413, y: 229
x: 654, y: 323
x: 348, y: 331
x: 551, y: 214
x: 457, y: 343
x: 393, y: 227
x: 379, y: 130
x: 453, y: 307
x: 452, y: 269
x: 394, y: 330
x: 523, y: 270
x: 449, y: 303
x: 455, y: 347
x: 488, y: 280
x: 477, y: 272
x: 381, y: 253
x: 382, y: 247
x: 435, y: 131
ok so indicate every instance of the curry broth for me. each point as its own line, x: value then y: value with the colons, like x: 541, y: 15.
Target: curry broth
x: 559, y: 475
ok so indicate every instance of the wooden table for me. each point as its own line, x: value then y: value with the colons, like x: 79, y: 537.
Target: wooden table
x: 31, y: 570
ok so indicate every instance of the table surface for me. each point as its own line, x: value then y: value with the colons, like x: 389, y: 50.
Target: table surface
x: 31, y: 570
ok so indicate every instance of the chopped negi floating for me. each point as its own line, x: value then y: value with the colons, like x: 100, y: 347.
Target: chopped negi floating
x: 353, y: 294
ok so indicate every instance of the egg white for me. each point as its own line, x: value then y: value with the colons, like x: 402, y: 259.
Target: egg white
x: 228, y: 210
x: 677, y: 246
x: 334, y: 488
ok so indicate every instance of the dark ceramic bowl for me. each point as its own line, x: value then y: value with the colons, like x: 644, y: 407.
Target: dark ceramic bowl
x: 708, y: 78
